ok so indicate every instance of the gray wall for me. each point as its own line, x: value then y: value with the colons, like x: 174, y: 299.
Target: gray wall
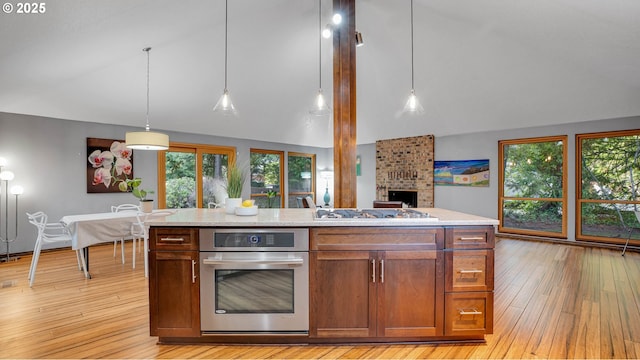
x: 483, y: 201
x: 48, y: 157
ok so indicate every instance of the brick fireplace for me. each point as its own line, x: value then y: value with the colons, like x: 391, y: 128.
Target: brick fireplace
x: 404, y: 168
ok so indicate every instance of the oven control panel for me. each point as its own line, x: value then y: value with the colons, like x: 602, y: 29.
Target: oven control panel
x: 282, y: 239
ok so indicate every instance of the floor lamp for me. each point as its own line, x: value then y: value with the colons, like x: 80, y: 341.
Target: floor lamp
x: 6, y: 176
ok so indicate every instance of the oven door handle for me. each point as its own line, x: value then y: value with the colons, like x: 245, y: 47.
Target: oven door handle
x: 293, y: 261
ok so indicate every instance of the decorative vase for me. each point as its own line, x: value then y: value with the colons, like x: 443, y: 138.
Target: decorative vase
x: 146, y: 206
x: 231, y: 204
x: 327, y: 198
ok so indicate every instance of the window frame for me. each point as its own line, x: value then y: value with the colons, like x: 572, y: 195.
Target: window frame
x: 312, y: 192
x: 283, y: 184
x: 579, y: 200
x: 198, y: 150
x: 502, y: 198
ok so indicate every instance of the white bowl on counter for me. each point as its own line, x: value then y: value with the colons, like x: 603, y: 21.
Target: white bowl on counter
x: 247, y: 211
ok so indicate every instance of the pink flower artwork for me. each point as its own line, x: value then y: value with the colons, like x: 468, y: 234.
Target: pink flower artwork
x: 109, y: 163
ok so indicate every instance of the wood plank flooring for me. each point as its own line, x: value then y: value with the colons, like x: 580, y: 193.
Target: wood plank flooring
x: 551, y: 301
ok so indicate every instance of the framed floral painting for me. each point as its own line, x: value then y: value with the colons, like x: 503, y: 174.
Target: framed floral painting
x: 109, y: 163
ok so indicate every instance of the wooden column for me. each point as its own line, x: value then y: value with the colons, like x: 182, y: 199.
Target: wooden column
x: 344, y: 105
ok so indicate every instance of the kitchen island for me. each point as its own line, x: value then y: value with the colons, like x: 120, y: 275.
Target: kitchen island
x: 352, y: 280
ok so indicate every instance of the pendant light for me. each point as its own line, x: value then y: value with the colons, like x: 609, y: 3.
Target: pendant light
x: 320, y: 107
x: 147, y: 140
x: 224, y: 104
x: 413, y: 104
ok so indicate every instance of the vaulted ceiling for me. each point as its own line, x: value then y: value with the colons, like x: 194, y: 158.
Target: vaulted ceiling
x: 479, y: 65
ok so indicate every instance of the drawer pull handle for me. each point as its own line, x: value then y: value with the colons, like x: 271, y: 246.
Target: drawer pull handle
x: 172, y: 239
x: 469, y: 312
x: 382, y: 271
x: 470, y: 271
x: 471, y: 238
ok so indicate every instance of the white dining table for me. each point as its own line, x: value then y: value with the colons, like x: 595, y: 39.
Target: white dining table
x: 91, y: 229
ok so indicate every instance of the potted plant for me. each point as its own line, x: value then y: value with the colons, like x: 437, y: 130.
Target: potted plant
x: 235, y: 182
x: 133, y: 185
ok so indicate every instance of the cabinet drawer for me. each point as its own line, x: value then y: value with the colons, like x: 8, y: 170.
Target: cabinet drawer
x: 469, y: 270
x: 470, y: 237
x: 377, y: 238
x: 468, y: 314
x: 170, y: 238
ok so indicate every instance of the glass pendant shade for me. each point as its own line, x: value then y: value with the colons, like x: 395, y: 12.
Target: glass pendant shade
x: 413, y: 104
x: 224, y: 104
x: 320, y: 107
x: 147, y: 140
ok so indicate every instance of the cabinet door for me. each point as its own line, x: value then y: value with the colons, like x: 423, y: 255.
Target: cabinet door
x: 342, y: 292
x: 411, y: 294
x: 174, y: 294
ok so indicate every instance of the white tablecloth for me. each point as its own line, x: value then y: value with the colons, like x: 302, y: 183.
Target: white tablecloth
x: 90, y: 229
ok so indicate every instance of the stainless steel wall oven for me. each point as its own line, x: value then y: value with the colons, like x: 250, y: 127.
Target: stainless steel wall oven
x: 254, y: 280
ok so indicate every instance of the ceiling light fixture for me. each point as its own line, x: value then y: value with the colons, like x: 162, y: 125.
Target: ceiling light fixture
x: 224, y: 104
x: 413, y: 104
x: 337, y: 19
x: 147, y: 140
x: 359, y: 41
x: 320, y: 107
x: 328, y: 30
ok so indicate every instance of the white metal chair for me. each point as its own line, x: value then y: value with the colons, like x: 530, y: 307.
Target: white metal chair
x: 119, y: 208
x: 141, y: 231
x: 49, y: 233
x: 630, y: 231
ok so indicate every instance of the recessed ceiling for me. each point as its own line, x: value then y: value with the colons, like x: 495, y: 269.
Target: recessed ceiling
x: 479, y: 65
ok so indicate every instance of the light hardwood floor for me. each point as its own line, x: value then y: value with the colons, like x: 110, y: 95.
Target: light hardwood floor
x: 551, y: 301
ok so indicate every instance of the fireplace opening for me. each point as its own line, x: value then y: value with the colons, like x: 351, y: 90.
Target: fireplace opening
x: 409, y: 197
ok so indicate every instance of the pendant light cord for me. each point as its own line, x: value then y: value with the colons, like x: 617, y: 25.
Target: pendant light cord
x: 320, y: 43
x: 412, y: 87
x: 226, y: 22
x: 147, y: 51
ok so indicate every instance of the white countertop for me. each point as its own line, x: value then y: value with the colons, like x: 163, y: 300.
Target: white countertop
x: 305, y: 218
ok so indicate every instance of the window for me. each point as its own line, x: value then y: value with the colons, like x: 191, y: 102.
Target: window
x: 301, y: 177
x: 533, y: 186
x: 608, y: 177
x: 191, y: 175
x: 266, y: 174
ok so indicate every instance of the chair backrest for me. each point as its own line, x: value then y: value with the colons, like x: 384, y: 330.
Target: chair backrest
x: 138, y: 227
x: 299, y: 202
x: 307, y: 202
x: 48, y: 232
x: 125, y: 207
x: 39, y: 219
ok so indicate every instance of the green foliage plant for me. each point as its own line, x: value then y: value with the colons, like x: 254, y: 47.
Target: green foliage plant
x: 235, y: 180
x: 133, y: 185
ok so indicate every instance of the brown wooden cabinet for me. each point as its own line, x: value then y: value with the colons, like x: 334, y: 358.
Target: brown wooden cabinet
x: 174, y: 282
x: 469, y: 281
x: 376, y: 282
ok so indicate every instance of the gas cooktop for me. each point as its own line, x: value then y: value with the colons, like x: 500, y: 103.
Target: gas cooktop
x: 350, y: 214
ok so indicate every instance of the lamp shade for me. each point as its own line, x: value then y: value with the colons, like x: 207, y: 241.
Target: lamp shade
x: 6, y: 175
x: 17, y: 190
x: 147, y: 140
